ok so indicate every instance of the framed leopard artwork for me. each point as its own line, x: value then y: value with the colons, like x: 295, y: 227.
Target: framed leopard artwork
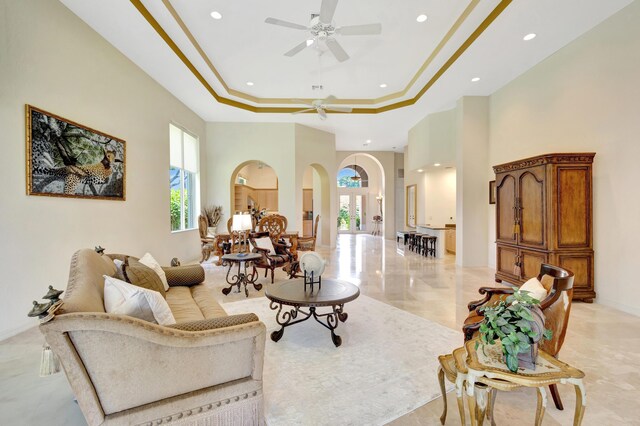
x: 67, y: 159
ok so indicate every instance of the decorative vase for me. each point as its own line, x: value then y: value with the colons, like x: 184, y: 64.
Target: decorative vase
x: 528, y: 359
x: 211, y: 231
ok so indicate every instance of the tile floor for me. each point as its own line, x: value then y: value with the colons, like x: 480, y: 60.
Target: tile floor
x: 603, y: 342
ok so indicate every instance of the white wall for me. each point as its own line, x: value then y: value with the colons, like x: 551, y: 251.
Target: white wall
x: 439, y: 200
x: 586, y: 98
x: 49, y: 58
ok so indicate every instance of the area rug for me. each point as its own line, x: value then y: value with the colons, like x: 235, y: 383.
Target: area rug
x: 385, y: 368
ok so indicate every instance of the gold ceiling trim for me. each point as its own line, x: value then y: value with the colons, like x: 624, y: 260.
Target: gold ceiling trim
x: 246, y: 96
x: 283, y: 110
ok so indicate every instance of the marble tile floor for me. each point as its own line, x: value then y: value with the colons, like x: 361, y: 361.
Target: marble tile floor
x: 601, y: 341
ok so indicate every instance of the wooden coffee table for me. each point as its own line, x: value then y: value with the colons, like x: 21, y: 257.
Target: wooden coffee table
x: 332, y: 293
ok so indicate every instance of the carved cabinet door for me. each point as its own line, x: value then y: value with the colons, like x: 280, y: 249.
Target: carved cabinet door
x: 531, y: 207
x: 506, y: 208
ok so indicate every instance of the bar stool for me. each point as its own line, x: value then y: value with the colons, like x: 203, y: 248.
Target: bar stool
x: 425, y: 245
x: 430, y: 245
x: 417, y: 247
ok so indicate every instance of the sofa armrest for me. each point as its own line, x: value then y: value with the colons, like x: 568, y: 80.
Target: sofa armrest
x: 186, y: 275
x: 109, y: 358
x: 214, y: 323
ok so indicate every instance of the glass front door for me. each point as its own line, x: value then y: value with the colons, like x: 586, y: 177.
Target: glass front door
x: 352, y: 215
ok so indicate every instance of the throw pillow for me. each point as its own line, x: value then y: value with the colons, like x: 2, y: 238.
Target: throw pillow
x: 149, y: 261
x: 119, y: 265
x: 535, y: 289
x: 265, y: 243
x: 141, y: 275
x: 126, y: 299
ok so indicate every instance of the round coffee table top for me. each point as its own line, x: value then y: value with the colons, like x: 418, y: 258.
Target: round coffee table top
x: 332, y: 292
x: 241, y: 257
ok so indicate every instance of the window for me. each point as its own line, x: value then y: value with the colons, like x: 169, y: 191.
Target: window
x: 183, y: 179
x: 345, y: 177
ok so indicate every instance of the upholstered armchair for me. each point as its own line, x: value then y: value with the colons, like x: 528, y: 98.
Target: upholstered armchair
x: 556, y: 307
x: 274, y: 254
x: 309, y: 243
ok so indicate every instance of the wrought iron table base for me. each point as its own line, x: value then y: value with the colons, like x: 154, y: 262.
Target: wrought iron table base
x: 241, y: 278
x: 289, y: 317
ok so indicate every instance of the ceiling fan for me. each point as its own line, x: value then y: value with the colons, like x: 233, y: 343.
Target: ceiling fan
x: 321, y: 106
x: 323, y: 29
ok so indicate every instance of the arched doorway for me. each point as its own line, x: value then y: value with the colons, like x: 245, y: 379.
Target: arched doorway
x: 254, y: 186
x: 316, y: 202
x: 360, y: 183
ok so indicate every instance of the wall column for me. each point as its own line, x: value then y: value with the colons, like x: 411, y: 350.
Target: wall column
x: 472, y: 180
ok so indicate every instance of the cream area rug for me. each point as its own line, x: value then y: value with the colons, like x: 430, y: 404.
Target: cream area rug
x: 385, y: 368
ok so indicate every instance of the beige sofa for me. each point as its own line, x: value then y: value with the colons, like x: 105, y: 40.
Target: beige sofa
x: 126, y: 371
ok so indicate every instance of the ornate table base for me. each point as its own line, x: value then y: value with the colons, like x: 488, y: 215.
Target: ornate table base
x: 241, y: 277
x: 289, y: 317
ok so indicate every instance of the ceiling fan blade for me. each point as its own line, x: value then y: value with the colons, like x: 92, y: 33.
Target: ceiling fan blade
x: 299, y: 48
x: 287, y: 24
x: 367, y: 29
x: 337, y: 50
x: 327, y: 9
x: 329, y: 99
x: 338, y: 108
x: 322, y: 114
x: 302, y: 111
x: 301, y: 101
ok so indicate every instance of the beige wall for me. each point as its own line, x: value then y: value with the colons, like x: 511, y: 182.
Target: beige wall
x: 49, y: 58
x: 586, y: 97
x: 259, y: 176
x: 439, y: 196
x: 383, y: 182
x: 432, y: 140
x: 472, y: 188
x: 288, y: 149
x: 317, y: 149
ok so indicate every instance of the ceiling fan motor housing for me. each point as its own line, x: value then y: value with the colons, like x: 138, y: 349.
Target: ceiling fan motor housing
x: 321, y: 30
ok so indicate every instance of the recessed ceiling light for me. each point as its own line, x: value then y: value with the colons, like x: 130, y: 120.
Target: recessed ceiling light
x: 383, y: 85
x: 474, y: 79
x: 216, y: 15
x: 421, y: 18
x: 420, y: 170
x: 437, y: 164
x: 249, y: 83
x: 309, y: 42
x: 368, y: 141
x: 528, y: 37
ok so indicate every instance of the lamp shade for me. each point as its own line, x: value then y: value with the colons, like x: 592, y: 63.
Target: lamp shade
x: 241, y: 222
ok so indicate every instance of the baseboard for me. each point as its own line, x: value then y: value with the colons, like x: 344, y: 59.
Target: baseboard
x: 5, y: 334
x: 619, y: 306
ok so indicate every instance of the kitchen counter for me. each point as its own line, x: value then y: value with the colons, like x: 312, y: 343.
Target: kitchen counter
x: 438, y: 231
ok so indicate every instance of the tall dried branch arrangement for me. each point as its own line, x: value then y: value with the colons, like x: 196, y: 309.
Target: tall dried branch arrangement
x: 213, y: 214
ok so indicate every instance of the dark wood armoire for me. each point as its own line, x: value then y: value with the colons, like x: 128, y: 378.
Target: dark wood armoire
x: 544, y: 214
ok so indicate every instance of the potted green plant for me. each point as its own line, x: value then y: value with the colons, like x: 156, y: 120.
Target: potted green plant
x: 518, y: 323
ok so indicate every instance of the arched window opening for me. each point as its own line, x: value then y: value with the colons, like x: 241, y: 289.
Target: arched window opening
x: 346, y: 177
